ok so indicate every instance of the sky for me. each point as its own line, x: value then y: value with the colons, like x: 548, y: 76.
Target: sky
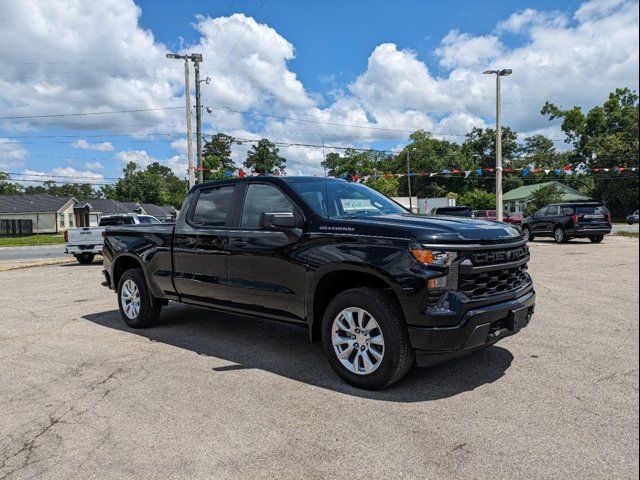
x: 85, y: 85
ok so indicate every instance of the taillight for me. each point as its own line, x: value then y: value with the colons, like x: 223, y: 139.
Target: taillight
x: 104, y: 234
x: 574, y: 218
x: 66, y: 236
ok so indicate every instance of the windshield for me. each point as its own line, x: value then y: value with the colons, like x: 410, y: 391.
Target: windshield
x: 344, y: 199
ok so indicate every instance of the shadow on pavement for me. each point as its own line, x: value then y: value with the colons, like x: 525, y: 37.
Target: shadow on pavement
x: 284, y: 349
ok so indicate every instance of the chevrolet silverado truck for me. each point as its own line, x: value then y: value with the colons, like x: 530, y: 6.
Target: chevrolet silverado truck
x: 85, y: 243
x: 380, y: 287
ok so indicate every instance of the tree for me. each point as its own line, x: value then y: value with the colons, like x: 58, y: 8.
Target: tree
x: 481, y: 144
x: 263, y: 158
x: 478, y: 200
x: 8, y: 188
x: 216, y: 157
x: 356, y: 162
x: 607, y: 136
x: 537, y: 150
x: 80, y: 191
x: 542, y: 197
x: 155, y: 184
x: 387, y: 186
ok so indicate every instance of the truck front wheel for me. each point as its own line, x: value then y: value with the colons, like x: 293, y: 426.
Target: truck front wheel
x: 365, y: 338
x: 138, y: 307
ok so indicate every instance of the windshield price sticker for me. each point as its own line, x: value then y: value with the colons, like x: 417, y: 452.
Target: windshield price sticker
x: 356, y: 204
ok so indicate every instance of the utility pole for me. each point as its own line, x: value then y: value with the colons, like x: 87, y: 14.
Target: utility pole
x: 187, y: 95
x: 499, y: 202
x: 197, y: 58
x: 409, y: 180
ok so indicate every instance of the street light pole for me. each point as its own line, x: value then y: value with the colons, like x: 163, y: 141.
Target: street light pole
x: 197, y: 58
x: 409, y: 180
x: 499, y: 202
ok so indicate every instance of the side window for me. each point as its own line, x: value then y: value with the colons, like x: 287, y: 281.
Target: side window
x: 543, y: 212
x: 212, y: 206
x: 567, y: 211
x: 553, y: 211
x: 261, y: 198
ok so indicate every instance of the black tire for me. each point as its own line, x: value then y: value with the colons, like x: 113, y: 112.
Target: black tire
x: 149, y: 307
x: 596, y: 238
x: 559, y: 235
x: 528, y: 234
x: 397, y: 356
x: 85, y: 258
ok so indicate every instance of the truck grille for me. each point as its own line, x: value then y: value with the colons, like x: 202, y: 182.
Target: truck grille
x: 493, y: 272
x: 493, y: 282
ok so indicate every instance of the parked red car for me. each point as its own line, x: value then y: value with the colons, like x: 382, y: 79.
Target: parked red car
x: 492, y: 215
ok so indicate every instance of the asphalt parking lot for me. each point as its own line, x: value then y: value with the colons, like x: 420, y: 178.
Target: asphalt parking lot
x: 205, y: 395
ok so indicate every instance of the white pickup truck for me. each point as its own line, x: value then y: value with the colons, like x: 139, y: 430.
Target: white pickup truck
x: 85, y: 243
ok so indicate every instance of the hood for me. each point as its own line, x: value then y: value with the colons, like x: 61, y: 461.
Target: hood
x: 434, y: 229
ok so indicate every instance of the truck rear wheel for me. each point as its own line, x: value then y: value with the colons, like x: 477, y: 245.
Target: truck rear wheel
x: 138, y: 308
x: 365, y: 339
x: 85, y: 258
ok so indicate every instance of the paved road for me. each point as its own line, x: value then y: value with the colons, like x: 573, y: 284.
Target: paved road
x: 31, y: 253
x: 205, y: 395
x: 623, y: 227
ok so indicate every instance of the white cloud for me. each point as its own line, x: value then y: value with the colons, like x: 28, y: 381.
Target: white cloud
x: 60, y: 175
x: 93, y: 166
x: 100, y: 146
x: 568, y: 59
x: 12, y: 154
x: 465, y: 50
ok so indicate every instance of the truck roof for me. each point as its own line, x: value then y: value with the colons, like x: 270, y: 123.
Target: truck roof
x: 267, y: 179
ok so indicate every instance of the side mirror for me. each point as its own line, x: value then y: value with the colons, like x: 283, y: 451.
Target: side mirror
x: 278, y: 221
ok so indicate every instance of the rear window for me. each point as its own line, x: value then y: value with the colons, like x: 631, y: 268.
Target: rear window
x: 105, y: 222
x: 148, y: 219
x: 212, y: 206
x: 592, y: 210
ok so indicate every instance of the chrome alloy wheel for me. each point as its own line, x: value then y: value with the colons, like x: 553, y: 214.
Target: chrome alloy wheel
x: 558, y: 235
x: 357, y: 341
x: 130, y: 299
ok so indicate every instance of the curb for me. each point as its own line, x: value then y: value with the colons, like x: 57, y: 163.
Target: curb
x: 36, y: 264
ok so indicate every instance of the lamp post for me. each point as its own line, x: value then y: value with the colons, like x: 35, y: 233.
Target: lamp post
x: 499, y: 204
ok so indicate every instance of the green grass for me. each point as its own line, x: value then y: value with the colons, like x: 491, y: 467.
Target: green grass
x: 44, y: 239
x: 626, y: 234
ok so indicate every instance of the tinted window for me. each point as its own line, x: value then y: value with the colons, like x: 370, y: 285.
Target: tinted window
x: 116, y: 221
x: 542, y: 212
x: 263, y: 199
x: 212, y: 206
x: 145, y: 219
x: 567, y: 211
x: 592, y: 210
x: 492, y: 213
x: 553, y: 211
x: 455, y: 211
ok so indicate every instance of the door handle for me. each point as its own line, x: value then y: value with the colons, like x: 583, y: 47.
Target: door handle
x: 238, y: 243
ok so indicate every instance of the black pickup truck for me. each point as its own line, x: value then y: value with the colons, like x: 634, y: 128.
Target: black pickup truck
x: 380, y: 287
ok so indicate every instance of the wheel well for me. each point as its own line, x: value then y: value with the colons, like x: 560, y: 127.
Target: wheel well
x: 336, y: 282
x: 122, y: 265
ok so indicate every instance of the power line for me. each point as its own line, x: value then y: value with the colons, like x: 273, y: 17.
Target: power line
x: 55, y: 115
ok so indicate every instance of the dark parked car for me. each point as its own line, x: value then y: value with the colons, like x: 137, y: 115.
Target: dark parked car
x: 564, y: 221
x: 452, y: 211
x: 379, y: 286
x: 633, y: 218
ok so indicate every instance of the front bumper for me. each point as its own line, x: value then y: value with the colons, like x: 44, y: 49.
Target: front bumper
x: 480, y: 327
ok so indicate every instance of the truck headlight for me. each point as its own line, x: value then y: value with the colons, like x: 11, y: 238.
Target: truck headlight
x: 436, y: 258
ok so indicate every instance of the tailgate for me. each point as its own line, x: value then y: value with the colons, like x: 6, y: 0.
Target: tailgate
x: 85, y: 236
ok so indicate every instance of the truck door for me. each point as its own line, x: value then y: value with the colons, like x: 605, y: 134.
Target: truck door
x: 199, y: 247
x: 266, y: 270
